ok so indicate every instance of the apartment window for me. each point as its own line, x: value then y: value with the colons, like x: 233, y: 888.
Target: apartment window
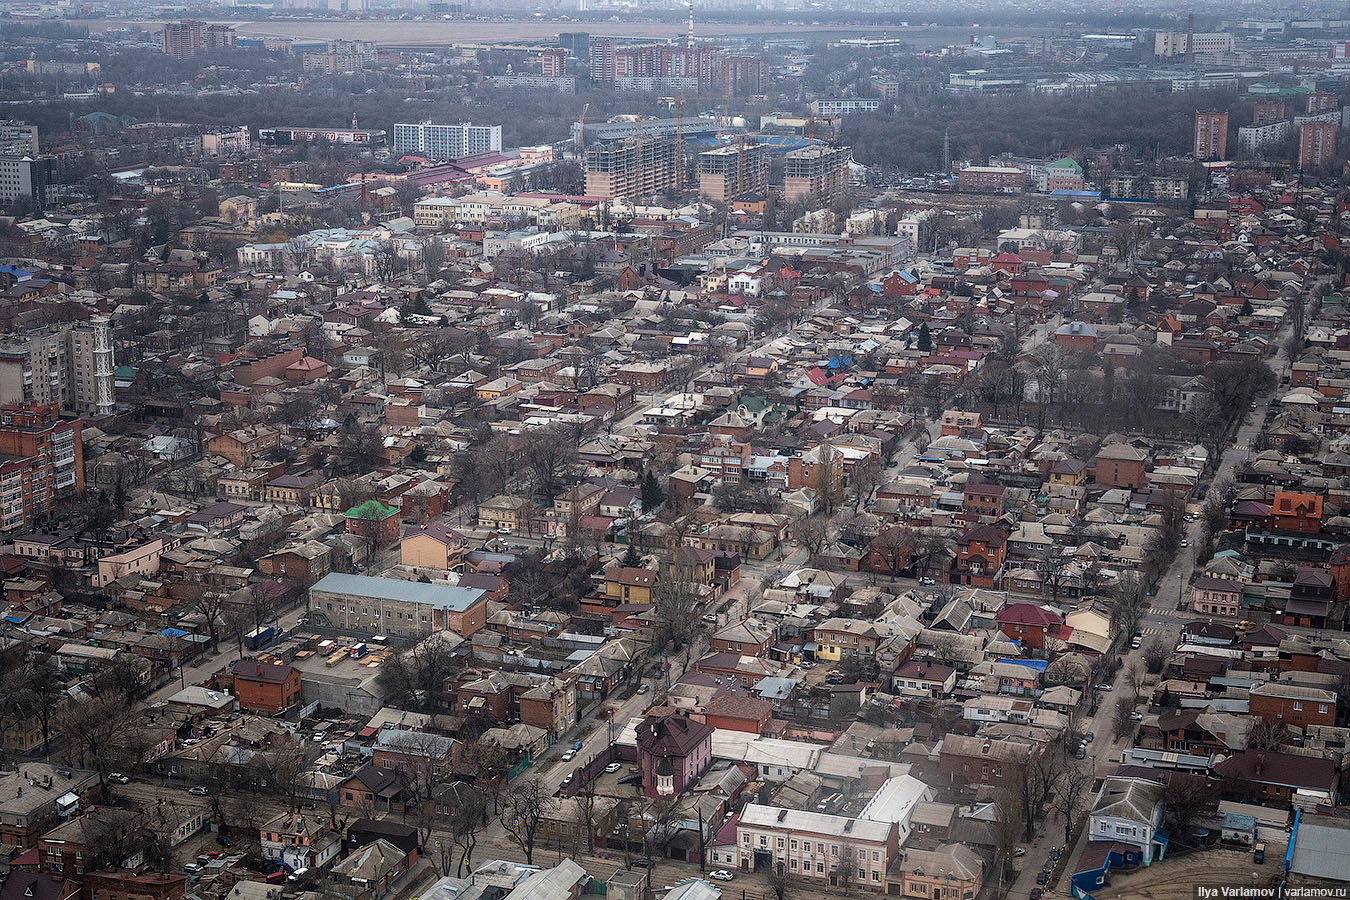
x: 862, y: 873
x: 780, y: 843
x: 1322, y: 708
x: 820, y: 848
x: 792, y: 864
x: 820, y: 868
x: 794, y: 843
x: 876, y: 875
x: 1298, y: 705
x: 876, y: 856
x: 745, y: 839
x: 764, y: 840
x: 834, y: 849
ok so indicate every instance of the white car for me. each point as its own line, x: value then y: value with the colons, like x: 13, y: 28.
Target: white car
x: 612, y: 768
x: 720, y: 875
x: 199, y: 791
x: 569, y: 755
x: 119, y: 778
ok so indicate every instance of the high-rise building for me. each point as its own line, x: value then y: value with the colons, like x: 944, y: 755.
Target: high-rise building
x: 553, y: 63
x: 18, y: 138
x: 1316, y: 145
x: 1211, y: 135
x: 190, y: 38
x: 1267, y: 112
x: 725, y: 173
x: 27, y: 178
x: 69, y: 365
x: 447, y: 141
x: 817, y: 171
x: 601, y: 53
x: 630, y: 169
x: 43, y: 461
x: 341, y: 57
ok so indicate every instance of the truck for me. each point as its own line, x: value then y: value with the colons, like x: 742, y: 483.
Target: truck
x: 359, y: 650
x: 259, y: 637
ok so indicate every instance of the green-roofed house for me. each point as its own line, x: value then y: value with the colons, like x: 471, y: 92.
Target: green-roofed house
x: 1064, y: 175
x: 373, y: 519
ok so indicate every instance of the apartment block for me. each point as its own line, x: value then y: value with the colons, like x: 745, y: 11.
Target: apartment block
x: 1255, y: 138
x: 553, y: 63
x: 190, y: 38
x: 820, y: 172
x: 1316, y: 145
x: 70, y: 365
x: 26, y: 178
x: 18, y: 138
x: 41, y: 461
x: 631, y: 169
x: 1211, y: 135
x: 733, y: 170
x: 845, y: 106
x: 446, y: 141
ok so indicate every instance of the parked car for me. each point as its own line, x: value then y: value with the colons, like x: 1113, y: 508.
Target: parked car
x: 1259, y: 853
x: 1080, y: 753
x: 1101, y: 686
x: 1185, y: 542
x: 644, y: 688
x: 1042, y: 877
x: 927, y: 580
x: 710, y: 618
x: 612, y: 768
x: 1136, y: 642
x: 199, y: 791
x: 569, y: 755
x: 576, y: 745
x: 568, y: 780
x: 643, y: 862
x: 1035, y: 894
x: 119, y: 778
x: 720, y: 875
x: 1087, y: 737
x: 1136, y: 716
x: 1020, y: 851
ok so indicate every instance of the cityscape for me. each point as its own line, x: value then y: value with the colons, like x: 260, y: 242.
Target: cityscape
x: 674, y: 450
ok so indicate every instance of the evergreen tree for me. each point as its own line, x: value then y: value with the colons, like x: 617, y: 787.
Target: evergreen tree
x: 1246, y: 308
x: 631, y: 558
x: 925, y: 338
x: 652, y: 495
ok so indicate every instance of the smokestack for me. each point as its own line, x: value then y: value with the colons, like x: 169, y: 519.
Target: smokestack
x: 691, y: 25
x: 1190, y: 39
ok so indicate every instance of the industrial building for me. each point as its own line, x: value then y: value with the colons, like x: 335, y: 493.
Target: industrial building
x: 732, y: 171
x: 820, y: 172
x: 631, y: 169
x: 438, y: 142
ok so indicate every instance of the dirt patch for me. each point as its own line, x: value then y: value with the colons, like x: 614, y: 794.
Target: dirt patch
x: 1175, y: 879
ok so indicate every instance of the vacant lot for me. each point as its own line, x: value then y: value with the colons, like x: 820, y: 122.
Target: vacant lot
x: 1175, y: 879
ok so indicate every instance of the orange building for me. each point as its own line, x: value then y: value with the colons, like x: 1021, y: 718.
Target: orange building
x: 1299, y: 513
x: 269, y: 688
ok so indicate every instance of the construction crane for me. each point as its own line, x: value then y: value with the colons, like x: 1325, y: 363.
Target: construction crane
x: 811, y: 128
x: 679, y: 134
x: 581, y: 129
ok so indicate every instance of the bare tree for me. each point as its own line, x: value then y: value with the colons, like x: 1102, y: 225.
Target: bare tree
x: 1073, y: 786
x: 527, y: 804
x: 466, y: 816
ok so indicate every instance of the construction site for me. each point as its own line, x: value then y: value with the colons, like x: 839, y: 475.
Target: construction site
x: 733, y: 170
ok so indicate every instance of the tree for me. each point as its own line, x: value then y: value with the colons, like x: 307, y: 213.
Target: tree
x: 925, y: 341
x: 675, y: 602
x: 779, y: 884
x: 550, y: 456
x: 652, y: 493
x: 527, y: 804
x: 415, y: 679
x: 466, y: 815
x: 844, y: 868
x: 1155, y: 656
x: 1187, y: 795
x: 813, y: 534
x: 866, y: 478
x: 101, y: 733
x: 1267, y: 734
x: 1069, y: 792
x: 1121, y: 721
x: 829, y: 477
x: 211, y: 607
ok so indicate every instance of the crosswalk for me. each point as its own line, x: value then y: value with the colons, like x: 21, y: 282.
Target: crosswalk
x: 1153, y: 632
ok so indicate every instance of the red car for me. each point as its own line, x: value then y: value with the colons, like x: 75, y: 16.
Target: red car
x: 1036, y: 894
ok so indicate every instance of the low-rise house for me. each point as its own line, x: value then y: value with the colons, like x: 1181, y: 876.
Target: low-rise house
x: 299, y: 841
x: 268, y: 688
x: 1130, y: 811
x: 948, y: 871
x: 816, y: 846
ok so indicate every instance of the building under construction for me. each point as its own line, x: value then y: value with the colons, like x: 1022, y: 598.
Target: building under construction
x: 631, y: 169
x: 817, y: 171
x: 734, y: 170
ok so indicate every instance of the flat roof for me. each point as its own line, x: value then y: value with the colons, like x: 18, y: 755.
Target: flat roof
x: 441, y: 596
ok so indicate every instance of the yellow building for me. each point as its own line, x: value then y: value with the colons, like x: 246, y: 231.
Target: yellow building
x: 503, y: 512
x: 624, y: 585
x: 433, y: 547
x: 951, y: 872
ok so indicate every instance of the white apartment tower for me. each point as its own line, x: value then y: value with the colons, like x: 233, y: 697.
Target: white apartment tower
x: 447, y: 141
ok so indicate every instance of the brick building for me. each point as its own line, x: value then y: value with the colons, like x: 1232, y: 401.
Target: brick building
x: 268, y: 688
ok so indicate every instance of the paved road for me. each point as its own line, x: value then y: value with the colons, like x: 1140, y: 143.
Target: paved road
x: 1162, y: 622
